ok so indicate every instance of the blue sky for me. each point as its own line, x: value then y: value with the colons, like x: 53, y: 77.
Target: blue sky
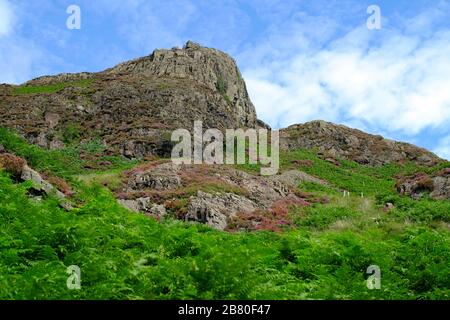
x: 302, y: 59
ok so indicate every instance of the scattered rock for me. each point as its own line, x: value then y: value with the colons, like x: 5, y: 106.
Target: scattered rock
x: 56, y: 144
x: 158, y: 210
x: 388, y: 207
x: 137, y: 205
x: 52, y: 119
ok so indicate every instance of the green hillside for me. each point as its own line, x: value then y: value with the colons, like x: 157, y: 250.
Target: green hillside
x: 324, y: 254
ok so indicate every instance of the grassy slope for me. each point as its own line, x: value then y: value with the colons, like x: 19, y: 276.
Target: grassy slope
x: 128, y: 256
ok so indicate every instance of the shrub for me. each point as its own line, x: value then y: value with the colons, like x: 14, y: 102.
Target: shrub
x: 12, y: 164
x: 221, y: 85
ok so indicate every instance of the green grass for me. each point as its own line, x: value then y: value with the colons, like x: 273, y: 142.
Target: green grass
x: 66, y: 162
x: 129, y: 256
x: 123, y: 255
x: 351, y: 176
x: 52, y: 88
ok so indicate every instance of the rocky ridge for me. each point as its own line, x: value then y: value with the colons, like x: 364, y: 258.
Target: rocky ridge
x: 337, y: 141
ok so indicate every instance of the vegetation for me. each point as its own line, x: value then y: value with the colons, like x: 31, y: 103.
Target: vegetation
x: 65, y: 163
x: 123, y: 255
x: 51, y: 88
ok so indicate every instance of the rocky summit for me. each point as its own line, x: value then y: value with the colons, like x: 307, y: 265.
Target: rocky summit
x: 134, y: 106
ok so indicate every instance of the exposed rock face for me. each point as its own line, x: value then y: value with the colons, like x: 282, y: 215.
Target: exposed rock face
x: 436, y: 185
x: 215, y: 210
x: 144, y: 205
x: 22, y: 172
x: 337, y: 141
x: 209, y: 67
x: 162, y: 177
x: 167, y: 181
x: 134, y: 106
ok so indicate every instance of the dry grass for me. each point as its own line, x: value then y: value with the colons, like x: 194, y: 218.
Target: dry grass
x: 12, y: 164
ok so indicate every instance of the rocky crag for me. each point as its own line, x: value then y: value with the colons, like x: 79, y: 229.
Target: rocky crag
x: 337, y: 141
x: 134, y: 106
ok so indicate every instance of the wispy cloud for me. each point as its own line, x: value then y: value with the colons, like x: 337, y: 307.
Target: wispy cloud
x: 443, y: 148
x: 6, y: 18
x: 393, y: 80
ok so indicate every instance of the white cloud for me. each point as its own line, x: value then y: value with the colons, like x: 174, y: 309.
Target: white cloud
x: 6, y: 18
x: 391, y: 80
x: 18, y: 60
x: 443, y: 148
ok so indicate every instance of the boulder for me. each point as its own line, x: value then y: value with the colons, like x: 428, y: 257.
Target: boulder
x: 162, y: 177
x: 217, y: 209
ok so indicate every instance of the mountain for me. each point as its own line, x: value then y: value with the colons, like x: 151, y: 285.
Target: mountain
x: 86, y: 180
x: 134, y: 106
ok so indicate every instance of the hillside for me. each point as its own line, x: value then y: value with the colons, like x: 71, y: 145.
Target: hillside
x: 86, y: 180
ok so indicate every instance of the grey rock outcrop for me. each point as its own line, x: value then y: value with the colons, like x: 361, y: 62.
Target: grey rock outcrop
x: 338, y: 141
x: 215, y: 210
x: 441, y: 188
x: 41, y: 185
x: 294, y: 177
x: 144, y: 205
x: 209, y: 67
x: 436, y: 185
x: 162, y: 177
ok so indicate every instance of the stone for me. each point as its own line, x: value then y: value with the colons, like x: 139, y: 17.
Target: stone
x: 137, y: 205
x: 441, y: 185
x: 338, y: 141
x: 158, y: 210
x: 436, y: 185
x: 161, y: 177
x: 52, y: 119
x: 41, y: 185
x: 217, y: 209
x: 209, y: 67
x: 56, y: 144
x: 388, y: 207
x: 293, y: 178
